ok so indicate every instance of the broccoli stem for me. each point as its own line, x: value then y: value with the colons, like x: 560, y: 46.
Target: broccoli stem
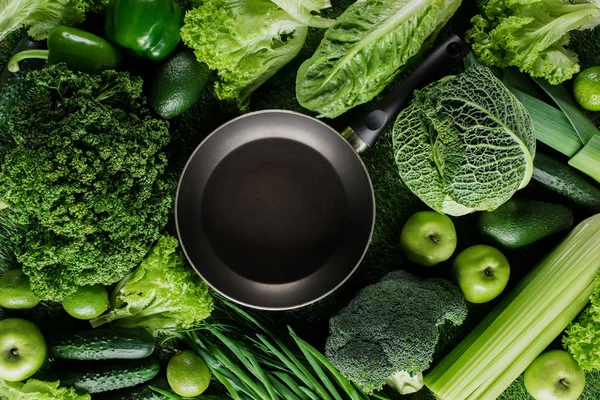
x: 404, y: 383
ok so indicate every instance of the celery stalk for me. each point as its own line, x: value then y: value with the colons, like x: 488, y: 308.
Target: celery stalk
x: 587, y: 160
x: 515, y: 332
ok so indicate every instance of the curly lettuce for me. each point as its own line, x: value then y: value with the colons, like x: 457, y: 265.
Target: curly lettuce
x: 41, y: 16
x: 531, y: 35
x: 248, y: 41
x: 161, y: 294
x: 465, y: 143
x: 582, y: 336
x: 34, y: 389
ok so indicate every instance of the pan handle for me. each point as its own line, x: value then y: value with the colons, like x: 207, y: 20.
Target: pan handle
x: 363, y: 132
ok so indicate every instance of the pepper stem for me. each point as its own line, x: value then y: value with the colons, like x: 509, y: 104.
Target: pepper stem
x: 13, y: 64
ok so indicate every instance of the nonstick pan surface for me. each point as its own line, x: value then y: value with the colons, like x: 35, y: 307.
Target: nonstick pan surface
x: 275, y: 209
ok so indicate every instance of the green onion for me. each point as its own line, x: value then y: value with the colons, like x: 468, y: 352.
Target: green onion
x: 587, y: 160
x: 524, y: 323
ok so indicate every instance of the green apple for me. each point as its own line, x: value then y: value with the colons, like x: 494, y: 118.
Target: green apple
x: 554, y: 375
x: 23, y: 349
x: 482, y: 272
x: 428, y: 238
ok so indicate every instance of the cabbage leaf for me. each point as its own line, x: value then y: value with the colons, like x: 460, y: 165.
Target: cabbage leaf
x: 365, y: 49
x: 34, y: 389
x: 248, y: 41
x: 465, y: 143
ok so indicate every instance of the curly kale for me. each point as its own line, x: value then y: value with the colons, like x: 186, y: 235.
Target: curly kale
x: 87, y: 177
x: 389, y: 331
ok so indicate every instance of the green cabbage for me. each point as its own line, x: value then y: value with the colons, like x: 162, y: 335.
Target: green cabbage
x: 248, y: 41
x: 162, y: 293
x: 365, y: 49
x: 38, y: 390
x: 531, y: 35
x: 465, y: 143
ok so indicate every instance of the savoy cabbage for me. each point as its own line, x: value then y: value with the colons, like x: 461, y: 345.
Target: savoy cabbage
x: 465, y: 143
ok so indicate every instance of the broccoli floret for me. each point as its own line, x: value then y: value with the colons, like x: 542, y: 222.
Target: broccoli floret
x: 392, y: 327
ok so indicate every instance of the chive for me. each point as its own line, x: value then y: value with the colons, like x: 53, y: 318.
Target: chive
x: 282, y: 390
x: 587, y: 160
x: 514, y: 332
x: 288, y: 380
x: 551, y: 126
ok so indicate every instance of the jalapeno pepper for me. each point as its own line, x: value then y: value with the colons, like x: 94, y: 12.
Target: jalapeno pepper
x: 81, y: 50
x: 149, y: 28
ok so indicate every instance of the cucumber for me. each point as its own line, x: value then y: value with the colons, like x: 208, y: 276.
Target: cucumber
x: 103, y: 376
x: 13, y: 85
x: 178, y: 84
x: 520, y: 222
x: 103, y: 344
x: 564, y: 180
x: 139, y: 392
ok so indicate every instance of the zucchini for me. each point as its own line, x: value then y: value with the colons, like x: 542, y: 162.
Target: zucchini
x: 103, y: 376
x: 103, y: 344
x: 14, y: 85
x: 139, y: 392
x: 564, y: 180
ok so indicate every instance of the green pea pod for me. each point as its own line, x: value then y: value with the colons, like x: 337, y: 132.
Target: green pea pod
x: 80, y: 50
x: 149, y: 28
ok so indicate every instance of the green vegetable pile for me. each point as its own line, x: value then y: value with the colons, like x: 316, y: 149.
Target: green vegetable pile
x: 86, y: 176
x: 35, y: 389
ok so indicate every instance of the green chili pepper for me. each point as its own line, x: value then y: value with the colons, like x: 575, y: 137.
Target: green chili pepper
x: 150, y: 28
x: 82, y: 51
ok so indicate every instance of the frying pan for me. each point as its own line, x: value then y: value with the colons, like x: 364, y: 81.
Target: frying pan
x: 275, y: 209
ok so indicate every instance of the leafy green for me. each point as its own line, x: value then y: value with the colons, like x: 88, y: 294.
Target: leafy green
x: 41, y: 16
x: 87, y: 178
x: 392, y: 326
x: 531, y: 35
x: 247, y: 41
x: 162, y: 293
x: 365, y: 49
x: 581, y: 336
x: 465, y: 143
x: 34, y: 389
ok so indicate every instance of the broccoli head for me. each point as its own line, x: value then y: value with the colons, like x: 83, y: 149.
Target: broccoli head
x: 390, y: 329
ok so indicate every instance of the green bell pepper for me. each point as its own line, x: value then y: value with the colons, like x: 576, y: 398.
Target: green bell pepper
x: 81, y: 50
x: 149, y: 28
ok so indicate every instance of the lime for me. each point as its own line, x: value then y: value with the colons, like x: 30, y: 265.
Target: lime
x: 188, y: 374
x: 87, y: 302
x: 586, y: 89
x: 15, y: 291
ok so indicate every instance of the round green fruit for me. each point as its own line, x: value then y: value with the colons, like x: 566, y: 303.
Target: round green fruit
x: 23, y: 349
x: 428, y: 238
x: 482, y: 273
x: 554, y: 375
x: 15, y: 291
x: 187, y: 374
x: 87, y: 302
x: 586, y: 89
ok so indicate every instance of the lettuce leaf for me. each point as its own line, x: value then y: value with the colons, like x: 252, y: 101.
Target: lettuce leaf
x: 531, y: 35
x: 465, y: 143
x: 34, y: 389
x: 365, y: 49
x: 248, y: 41
x: 162, y: 293
x: 41, y: 16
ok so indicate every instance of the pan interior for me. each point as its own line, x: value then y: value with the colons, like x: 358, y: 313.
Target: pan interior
x: 274, y: 210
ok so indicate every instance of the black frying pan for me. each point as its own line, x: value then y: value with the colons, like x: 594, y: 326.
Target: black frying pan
x: 275, y: 209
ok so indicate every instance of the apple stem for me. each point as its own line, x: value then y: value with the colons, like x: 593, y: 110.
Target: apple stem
x: 489, y: 271
x: 434, y: 238
x: 563, y: 384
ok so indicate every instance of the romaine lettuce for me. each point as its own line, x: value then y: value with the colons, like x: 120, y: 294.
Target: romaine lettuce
x: 34, y: 389
x: 365, y: 49
x: 465, y: 143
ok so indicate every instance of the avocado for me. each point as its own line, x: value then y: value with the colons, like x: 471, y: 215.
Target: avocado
x: 520, y: 222
x: 178, y: 84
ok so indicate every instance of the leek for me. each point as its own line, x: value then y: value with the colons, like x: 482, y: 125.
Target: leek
x: 524, y: 323
x: 587, y: 160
